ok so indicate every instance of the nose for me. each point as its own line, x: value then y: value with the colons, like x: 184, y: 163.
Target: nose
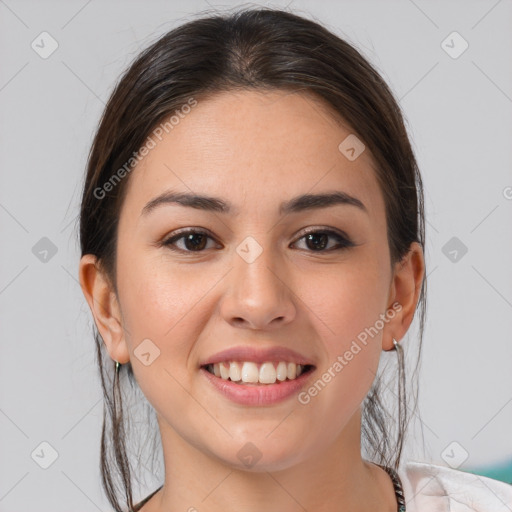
x: 258, y: 294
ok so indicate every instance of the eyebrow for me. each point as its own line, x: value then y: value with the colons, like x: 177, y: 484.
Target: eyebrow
x: 216, y: 204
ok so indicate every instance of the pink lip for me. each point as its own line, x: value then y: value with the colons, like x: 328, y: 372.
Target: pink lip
x: 259, y: 355
x: 258, y: 394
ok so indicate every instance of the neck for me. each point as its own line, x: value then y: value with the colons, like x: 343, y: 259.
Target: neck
x: 334, y: 479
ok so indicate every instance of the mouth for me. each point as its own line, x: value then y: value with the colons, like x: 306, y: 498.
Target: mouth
x: 257, y: 376
x: 249, y: 384
x: 250, y: 373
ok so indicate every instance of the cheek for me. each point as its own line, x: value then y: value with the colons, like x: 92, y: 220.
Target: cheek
x: 346, y: 302
x: 157, y: 298
x: 347, y: 306
x: 163, y: 316
x: 169, y: 305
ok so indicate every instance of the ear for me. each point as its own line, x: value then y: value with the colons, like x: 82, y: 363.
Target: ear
x: 104, y: 306
x: 404, y: 293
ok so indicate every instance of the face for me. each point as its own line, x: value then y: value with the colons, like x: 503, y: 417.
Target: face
x: 196, y: 281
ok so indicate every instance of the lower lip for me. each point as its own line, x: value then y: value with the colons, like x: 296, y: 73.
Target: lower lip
x: 262, y: 394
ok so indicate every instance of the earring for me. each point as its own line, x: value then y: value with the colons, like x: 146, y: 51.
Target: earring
x: 117, y: 366
x: 399, y: 350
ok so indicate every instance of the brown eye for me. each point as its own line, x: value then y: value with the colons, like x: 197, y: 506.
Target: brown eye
x: 318, y: 240
x: 193, y: 241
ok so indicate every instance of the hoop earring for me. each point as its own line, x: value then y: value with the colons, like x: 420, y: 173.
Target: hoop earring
x: 402, y: 398
x: 117, y: 367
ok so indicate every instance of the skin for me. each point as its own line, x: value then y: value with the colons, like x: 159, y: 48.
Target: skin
x: 255, y: 150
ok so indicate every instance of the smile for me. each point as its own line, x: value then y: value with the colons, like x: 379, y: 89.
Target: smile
x: 240, y: 382
x: 249, y: 372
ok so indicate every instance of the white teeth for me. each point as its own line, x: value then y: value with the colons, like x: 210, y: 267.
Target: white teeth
x: 267, y: 373
x: 234, y: 372
x: 248, y: 371
x: 291, y: 371
x: 224, y: 372
x: 281, y: 371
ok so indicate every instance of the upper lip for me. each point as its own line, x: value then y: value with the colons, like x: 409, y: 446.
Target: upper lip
x: 257, y: 355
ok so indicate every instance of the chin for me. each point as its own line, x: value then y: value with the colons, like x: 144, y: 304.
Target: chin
x: 259, y: 454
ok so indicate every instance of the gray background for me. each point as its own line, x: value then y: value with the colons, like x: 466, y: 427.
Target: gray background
x: 458, y: 112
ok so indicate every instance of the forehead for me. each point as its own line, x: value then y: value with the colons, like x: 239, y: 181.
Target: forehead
x: 255, y: 149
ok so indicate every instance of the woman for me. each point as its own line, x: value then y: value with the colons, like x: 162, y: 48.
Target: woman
x: 252, y: 235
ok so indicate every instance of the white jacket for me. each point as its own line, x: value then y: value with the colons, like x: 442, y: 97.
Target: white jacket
x: 431, y: 488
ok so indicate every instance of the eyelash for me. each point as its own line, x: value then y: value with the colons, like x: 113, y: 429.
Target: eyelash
x: 344, y: 241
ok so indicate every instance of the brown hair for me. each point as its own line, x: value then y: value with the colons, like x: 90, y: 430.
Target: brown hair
x: 265, y: 49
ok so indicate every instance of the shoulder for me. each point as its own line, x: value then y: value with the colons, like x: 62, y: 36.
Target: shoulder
x: 428, y: 488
